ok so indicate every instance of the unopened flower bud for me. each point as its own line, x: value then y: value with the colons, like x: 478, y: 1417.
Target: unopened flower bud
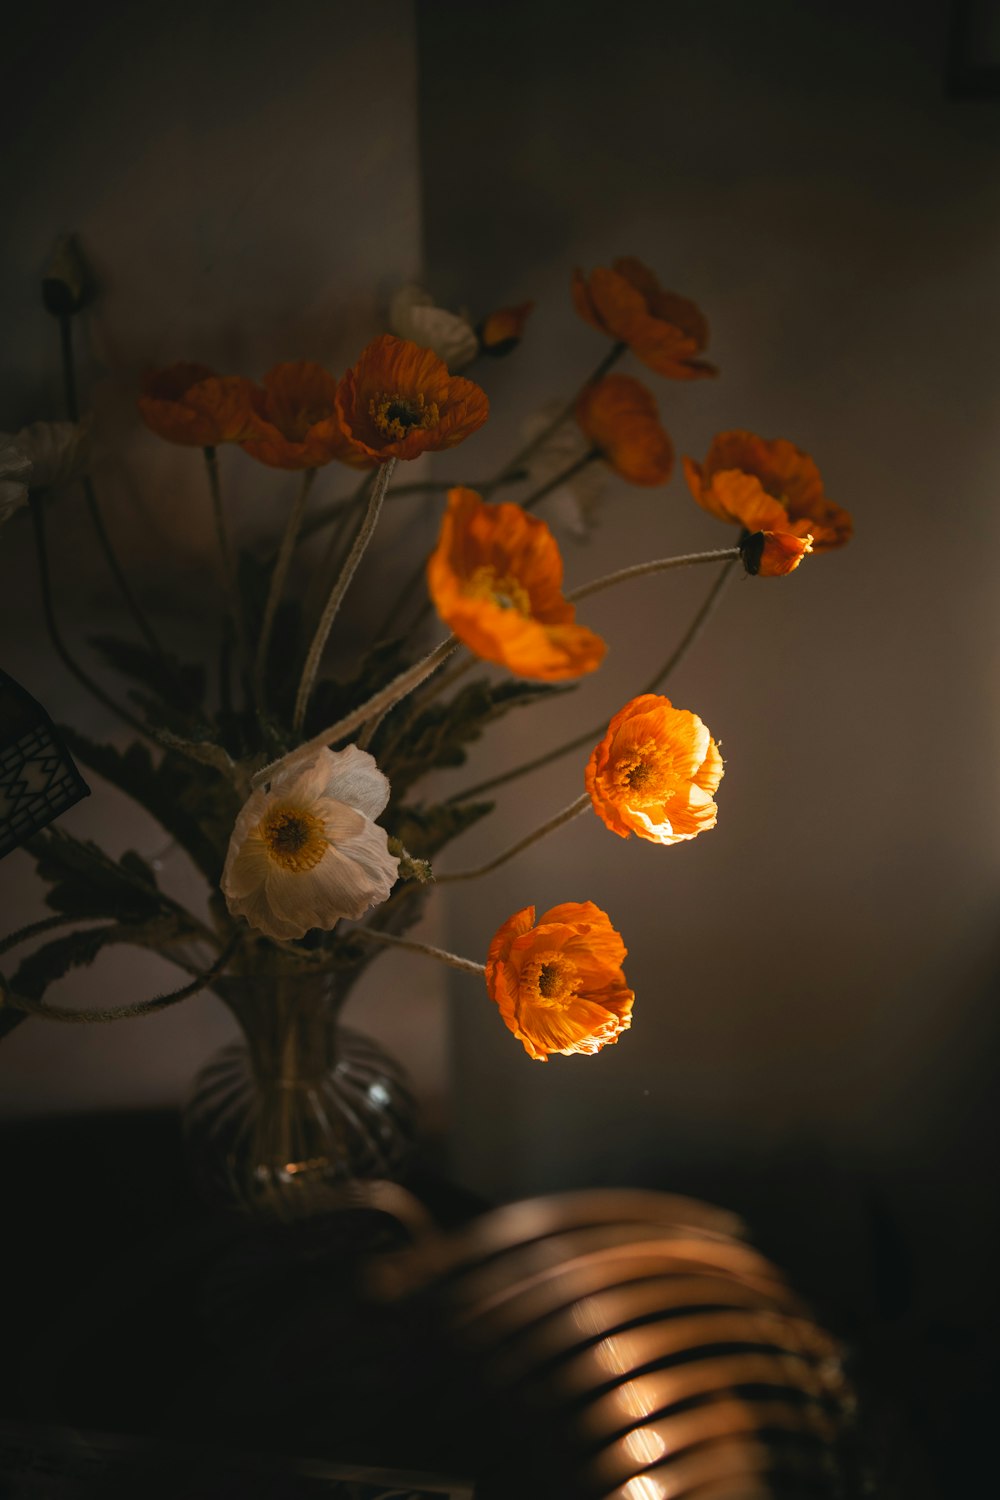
x: 503, y: 330
x: 772, y: 554
x: 66, y: 285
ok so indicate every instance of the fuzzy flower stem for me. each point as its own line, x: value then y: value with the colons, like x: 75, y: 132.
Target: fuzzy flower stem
x: 62, y: 651
x: 123, y: 1012
x: 338, y: 591
x: 90, y: 496
x: 568, y: 813
x: 278, y: 578
x: 335, y: 511
x: 553, y: 484
x: 612, y: 357
x: 379, y: 704
x: 658, y: 565
x: 226, y: 553
x: 441, y: 954
x: 590, y: 735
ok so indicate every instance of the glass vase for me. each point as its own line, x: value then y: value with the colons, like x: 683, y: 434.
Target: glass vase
x: 279, y: 1123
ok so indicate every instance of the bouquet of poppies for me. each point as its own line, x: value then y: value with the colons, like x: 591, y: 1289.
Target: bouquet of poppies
x: 296, y: 792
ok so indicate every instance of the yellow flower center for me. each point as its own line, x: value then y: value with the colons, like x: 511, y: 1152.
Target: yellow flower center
x: 642, y: 774
x: 296, y: 840
x: 550, y: 980
x: 507, y: 592
x: 396, y: 415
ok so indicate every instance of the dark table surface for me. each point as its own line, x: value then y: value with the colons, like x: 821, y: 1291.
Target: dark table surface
x: 129, y: 1308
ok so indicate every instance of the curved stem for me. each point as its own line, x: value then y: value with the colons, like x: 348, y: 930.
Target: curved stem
x: 278, y: 577
x: 612, y: 357
x: 568, y: 813
x: 376, y: 705
x: 90, y: 495
x: 96, y: 691
x: 35, y: 929
x: 453, y: 960
x: 229, y: 573
x: 658, y: 565
x: 589, y: 736
x: 338, y: 591
x: 567, y: 473
x: 439, y: 686
x: 122, y: 1012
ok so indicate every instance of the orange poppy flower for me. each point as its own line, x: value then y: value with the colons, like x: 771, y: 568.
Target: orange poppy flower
x: 399, y: 401
x: 772, y: 554
x: 495, y: 577
x: 294, y: 422
x: 655, y: 772
x: 665, y: 331
x: 503, y: 330
x: 620, y: 417
x: 559, y: 985
x: 767, y: 485
x: 189, y: 403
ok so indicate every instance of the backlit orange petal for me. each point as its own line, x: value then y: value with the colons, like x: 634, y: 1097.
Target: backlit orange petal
x: 621, y: 419
x: 773, y: 554
x: 399, y: 401
x: 666, y: 331
x: 294, y: 422
x: 503, y: 329
x: 559, y: 986
x: 495, y: 578
x: 655, y: 772
x: 784, y: 473
x: 188, y: 403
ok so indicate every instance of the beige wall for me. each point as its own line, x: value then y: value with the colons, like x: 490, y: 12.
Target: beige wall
x: 245, y: 181
x: 816, y: 974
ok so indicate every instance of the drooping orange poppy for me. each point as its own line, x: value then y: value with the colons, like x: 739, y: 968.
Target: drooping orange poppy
x: 621, y: 419
x: 773, y: 554
x: 294, y: 422
x: 559, y: 985
x: 655, y: 772
x: 495, y: 577
x: 501, y: 331
x: 665, y: 331
x: 190, y: 404
x: 399, y: 401
x: 767, y: 485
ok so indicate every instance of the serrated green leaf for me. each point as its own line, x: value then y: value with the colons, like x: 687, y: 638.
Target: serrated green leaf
x: 194, y: 803
x: 438, y: 735
x: 173, y: 684
x: 85, y: 882
x: 76, y: 949
x: 424, y: 830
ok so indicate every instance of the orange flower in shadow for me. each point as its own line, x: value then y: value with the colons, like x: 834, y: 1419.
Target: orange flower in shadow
x: 655, y: 772
x: 559, y: 985
x: 620, y: 418
x: 665, y: 331
x: 399, y: 401
x: 294, y: 422
x: 496, y: 581
x: 190, y: 404
x: 773, y: 554
x: 767, y: 485
x: 503, y: 330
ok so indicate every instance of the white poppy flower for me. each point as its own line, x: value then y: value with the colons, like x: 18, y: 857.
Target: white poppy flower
x: 59, y: 451
x: 413, y: 315
x: 40, y: 456
x: 573, y: 506
x: 15, y: 473
x: 307, y: 852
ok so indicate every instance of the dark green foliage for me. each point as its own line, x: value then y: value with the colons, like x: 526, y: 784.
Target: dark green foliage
x: 194, y: 803
x: 84, y: 882
x: 333, y: 699
x: 438, y: 735
x: 170, y: 693
x: 52, y: 960
x: 424, y: 830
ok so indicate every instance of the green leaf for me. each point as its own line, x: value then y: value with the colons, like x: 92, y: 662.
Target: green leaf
x: 424, y: 830
x: 85, y: 882
x: 53, y: 960
x: 439, y: 734
x: 194, y: 803
x: 334, y: 699
x: 171, y: 693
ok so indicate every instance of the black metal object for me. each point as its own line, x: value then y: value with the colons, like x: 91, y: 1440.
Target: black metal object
x: 38, y: 779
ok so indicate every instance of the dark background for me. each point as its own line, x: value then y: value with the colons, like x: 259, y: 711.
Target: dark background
x: 814, y: 1036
